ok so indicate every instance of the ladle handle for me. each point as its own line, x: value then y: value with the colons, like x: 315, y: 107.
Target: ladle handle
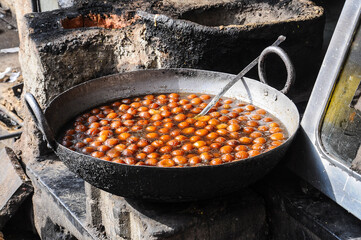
x: 239, y: 76
x: 286, y: 60
x: 40, y: 120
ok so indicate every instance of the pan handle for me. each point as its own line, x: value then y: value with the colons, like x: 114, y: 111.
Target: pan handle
x: 286, y: 60
x: 40, y: 120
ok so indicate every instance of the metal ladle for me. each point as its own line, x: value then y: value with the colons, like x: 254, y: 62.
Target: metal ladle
x: 261, y: 72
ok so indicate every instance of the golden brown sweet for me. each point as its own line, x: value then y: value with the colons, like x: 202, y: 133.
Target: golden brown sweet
x: 162, y: 131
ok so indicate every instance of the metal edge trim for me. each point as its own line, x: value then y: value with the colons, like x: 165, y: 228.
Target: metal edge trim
x: 335, y: 188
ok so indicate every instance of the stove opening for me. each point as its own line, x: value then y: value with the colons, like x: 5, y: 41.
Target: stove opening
x: 239, y: 14
x: 108, y: 21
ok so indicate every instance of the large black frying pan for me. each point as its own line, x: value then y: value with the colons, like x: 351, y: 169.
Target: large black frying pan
x: 155, y: 183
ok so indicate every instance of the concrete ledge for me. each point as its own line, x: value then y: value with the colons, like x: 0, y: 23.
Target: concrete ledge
x: 62, y: 209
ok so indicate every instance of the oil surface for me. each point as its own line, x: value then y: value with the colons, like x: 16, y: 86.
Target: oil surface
x: 161, y: 130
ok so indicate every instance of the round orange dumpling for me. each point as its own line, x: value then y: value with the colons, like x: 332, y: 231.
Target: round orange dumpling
x: 226, y: 149
x: 215, y: 161
x: 199, y: 144
x: 166, y: 163
x: 277, y: 136
x: 245, y: 140
x: 180, y: 117
x: 180, y: 160
x: 241, y: 155
x: 195, y: 160
x: 205, y: 118
x: 233, y: 127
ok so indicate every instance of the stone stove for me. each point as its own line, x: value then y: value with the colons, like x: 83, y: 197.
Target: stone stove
x: 78, y: 44
x: 85, y: 212
x: 65, y: 47
x: 279, y: 207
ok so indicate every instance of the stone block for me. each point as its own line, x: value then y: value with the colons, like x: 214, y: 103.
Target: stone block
x: 298, y: 211
x: 58, y: 202
x: 65, y: 209
x: 240, y: 216
x: 15, y: 186
x: 67, y: 47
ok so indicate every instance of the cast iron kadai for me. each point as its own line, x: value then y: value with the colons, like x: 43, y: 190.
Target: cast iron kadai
x: 156, y: 183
